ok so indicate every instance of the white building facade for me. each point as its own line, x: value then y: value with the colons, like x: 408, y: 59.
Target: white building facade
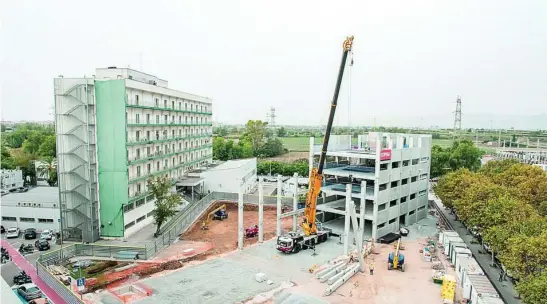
x: 394, y: 168
x: 115, y: 132
x: 231, y: 176
x: 11, y: 179
x: 38, y: 208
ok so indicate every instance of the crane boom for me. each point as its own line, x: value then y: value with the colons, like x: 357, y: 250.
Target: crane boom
x: 316, y: 176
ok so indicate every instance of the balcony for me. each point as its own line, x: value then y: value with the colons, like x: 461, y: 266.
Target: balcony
x: 167, y: 169
x: 163, y: 154
x: 138, y: 123
x: 133, y: 105
x: 146, y: 141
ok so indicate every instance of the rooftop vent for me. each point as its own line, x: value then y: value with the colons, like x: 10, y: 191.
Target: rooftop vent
x: 112, y: 67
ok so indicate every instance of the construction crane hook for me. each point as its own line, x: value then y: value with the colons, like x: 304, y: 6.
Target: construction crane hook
x: 348, y: 43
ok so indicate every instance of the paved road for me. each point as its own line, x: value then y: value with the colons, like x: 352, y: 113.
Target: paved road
x: 23, y: 264
x: 506, y: 288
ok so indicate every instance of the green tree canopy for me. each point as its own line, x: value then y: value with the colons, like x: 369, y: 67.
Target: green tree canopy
x: 166, y: 202
x: 462, y: 154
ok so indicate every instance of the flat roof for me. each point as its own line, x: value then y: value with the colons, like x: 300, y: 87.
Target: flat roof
x: 482, y: 284
x: 36, y: 194
x: 232, y: 164
x: 189, y: 181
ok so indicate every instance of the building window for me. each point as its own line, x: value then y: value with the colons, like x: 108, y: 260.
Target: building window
x: 391, y: 221
x: 393, y: 203
x: 403, y: 199
x: 128, y: 207
x: 138, y: 171
x: 382, y: 207
x: 381, y: 225
x: 415, y: 161
x: 130, y: 225
x: 383, y: 167
x: 140, y: 202
x: 180, y: 105
x: 395, y: 165
x: 27, y: 219
x: 137, y: 99
x: 422, y: 192
x: 404, y: 181
x: 165, y: 118
x: 421, y: 208
x: 157, y: 119
x: 9, y: 218
x: 149, y: 198
x: 138, y: 187
x: 140, y: 219
x: 413, y: 179
x: 405, y: 163
x: 148, y: 168
x: 157, y: 135
x: 172, y: 104
x: 147, y: 151
x: 138, y: 135
x: 383, y: 187
x: 42, y: 220
x: 138, y: 153
x: 425, y: 159
x: 191, y: 107
x: 394, y: 184
x: 423, y: 176
x: 165, y: 103
x: 411, y: 212
x: 157, y: 103
x: 151, y: 213
x: 412, y: 196
x: 147, y: 118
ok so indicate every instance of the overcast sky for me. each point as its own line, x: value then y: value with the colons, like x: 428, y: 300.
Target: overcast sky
x: 411, y: 58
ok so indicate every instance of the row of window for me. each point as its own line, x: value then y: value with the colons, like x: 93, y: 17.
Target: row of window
x: 148, y: 119
x: 391, y: 221
x: 140, y: 202
x: 140, y: 219
x: 404, y: 163
x: 26, y: 219
x: 404, y: 181
x: 152, y: 169
x: 163, y: 134
x: 403, y: 200
x: 167, y: 149
x: 170, y: 105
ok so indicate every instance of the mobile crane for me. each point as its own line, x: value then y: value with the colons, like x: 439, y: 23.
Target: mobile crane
x: 396, y: 260
x: 295, y: 241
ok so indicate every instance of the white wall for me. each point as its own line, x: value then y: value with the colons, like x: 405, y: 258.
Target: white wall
x: 11, y: 179
x: 35, y: 213
x: 230, y: 179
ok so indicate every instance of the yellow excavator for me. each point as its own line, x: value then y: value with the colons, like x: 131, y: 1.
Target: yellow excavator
x: 218, y: 213
x: 295, y: 241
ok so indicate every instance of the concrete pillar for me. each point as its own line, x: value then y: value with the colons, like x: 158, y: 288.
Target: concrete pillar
x: 240, y: 219
x: 347, y: 219
x: 310, y: 158
x: 375, y: 206
x: 279, y: 187
x: 363, y: 197
x: 295, y: 203
x: 260, y: 209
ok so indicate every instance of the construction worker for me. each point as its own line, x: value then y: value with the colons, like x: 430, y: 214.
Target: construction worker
x: 371, y: 267
x: 203, y: 225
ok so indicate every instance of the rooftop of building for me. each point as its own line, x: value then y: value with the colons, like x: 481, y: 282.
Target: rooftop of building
x: 34, y: 195
x: 232, y: 164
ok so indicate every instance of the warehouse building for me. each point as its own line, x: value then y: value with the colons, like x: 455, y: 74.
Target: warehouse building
x: 114, y: 132
x: 38, y: 208
x: 388, y: 176
x: 11, y: 179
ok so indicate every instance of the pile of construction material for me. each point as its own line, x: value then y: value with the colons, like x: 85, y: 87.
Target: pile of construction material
x: 339, y: 270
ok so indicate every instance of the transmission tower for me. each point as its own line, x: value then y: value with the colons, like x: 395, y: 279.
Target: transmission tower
x: 457, y: 118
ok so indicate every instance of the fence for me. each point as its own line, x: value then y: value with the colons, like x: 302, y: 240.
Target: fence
x: 63, y: 291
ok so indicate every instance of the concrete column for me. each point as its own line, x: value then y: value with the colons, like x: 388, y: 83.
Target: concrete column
x: 279, y: 187
x: 295, y: 203
x: 260, y: 209
x: 347, y: 219
x: 362, y: 209
x: 240, y: 219
x: 310, y: 158
x: 375, y: 207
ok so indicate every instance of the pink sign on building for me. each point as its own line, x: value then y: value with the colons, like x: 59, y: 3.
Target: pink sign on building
x: 385, y: 154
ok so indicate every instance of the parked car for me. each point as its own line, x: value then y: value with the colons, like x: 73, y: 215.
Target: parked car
x: 39, y: 301
x: 13, y: 232
x: 46, y: 235
x: 30, y: 234
x: 3, y: 230
x: 22, y: 189
x: 29, y: 291
x: 42, y: 245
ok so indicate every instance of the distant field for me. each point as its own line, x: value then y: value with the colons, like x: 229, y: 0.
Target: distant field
x: 302, y: 143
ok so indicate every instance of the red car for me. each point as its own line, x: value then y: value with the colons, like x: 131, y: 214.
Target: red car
x: 251, y: 231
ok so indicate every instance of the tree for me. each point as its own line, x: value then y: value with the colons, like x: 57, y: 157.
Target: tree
x: 48, y: 169
x: 494, y: 167
x: 533, y: 289
x: 32, y: 142
x: 464, y: 154
x: 439, y: 161
x: 281, y: 132
x: 449, y: 188
x: 255, y: 131
x: 48, y: 147
x: 286, y: 169
x: 166, y: 202
x: 271, y: 148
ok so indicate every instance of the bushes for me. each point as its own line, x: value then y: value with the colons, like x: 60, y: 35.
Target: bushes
x: 286, y: 169
x: 101, y: 266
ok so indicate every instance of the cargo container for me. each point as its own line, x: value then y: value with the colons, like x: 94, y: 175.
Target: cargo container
x: 466, y: 264
x: 455, y: 250
x: 446, y: 243
x: 475, y: 285
x: 446, y: 233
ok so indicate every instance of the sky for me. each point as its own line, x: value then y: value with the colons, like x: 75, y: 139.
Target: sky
x: 411, y: 58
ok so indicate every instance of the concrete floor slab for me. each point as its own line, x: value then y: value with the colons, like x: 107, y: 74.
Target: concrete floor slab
x: 231, y: 278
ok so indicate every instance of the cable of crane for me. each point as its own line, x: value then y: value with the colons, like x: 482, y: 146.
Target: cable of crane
x: 349, y: 88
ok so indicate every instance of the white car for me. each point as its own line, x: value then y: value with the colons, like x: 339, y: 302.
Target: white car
x: 46, y: 235
x: 12, y: 233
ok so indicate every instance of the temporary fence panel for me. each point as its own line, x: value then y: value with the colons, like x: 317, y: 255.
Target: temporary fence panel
x: 56, y: 285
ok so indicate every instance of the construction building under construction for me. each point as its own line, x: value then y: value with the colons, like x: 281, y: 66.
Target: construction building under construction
x: 385, y: 175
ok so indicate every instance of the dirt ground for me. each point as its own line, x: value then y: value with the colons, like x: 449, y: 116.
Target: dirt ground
x: 289, y: 157
x: 223, y: 234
